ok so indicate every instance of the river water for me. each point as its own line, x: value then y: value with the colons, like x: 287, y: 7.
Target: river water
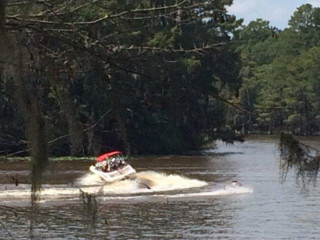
x: 173, y: 197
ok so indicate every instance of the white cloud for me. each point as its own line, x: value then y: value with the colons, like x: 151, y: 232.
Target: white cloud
x: 275, y: 11
x: 315, y: 3
x: 279, y: 17
x: 241, y: 7
x: 252, y: 9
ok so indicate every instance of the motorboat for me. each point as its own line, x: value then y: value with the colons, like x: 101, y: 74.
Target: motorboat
x: 111, y: 167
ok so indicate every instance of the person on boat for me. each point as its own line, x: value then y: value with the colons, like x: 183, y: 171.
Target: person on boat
x: 110, y: 164
x: 236, y: 183
x: 122, y: 163
x: 105, y: 166
x: 110, y: 161
x: 114, y: 164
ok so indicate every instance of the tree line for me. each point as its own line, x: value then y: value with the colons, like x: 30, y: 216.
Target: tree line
x: 280, y: 75
x: 83, y: 77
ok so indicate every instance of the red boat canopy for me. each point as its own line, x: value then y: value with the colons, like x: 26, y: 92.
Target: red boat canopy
x: 107, y: 155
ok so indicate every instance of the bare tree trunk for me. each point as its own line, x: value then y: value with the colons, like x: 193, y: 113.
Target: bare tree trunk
x: 119, y: 111
x: 33, y: 114
x: 124, y: 138
x: 74, y: 126
x: 2, y: 15
x: 14, y: 54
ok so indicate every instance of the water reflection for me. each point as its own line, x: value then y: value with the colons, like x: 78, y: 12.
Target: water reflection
x: 89, y: 212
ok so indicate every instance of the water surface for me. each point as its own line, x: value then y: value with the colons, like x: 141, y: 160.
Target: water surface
x: 187, y: 199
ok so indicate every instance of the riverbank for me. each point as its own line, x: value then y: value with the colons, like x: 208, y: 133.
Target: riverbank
x: 313, y: 141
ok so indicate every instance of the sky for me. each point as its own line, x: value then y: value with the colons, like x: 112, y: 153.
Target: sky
x: 278, y: 12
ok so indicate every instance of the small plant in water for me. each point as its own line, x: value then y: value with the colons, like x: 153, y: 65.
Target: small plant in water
x: 90, y: 206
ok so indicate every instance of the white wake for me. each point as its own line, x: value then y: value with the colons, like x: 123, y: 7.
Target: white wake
x: 144, y: 182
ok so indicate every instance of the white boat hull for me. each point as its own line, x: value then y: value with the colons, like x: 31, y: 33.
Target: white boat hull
x: 114, y: 176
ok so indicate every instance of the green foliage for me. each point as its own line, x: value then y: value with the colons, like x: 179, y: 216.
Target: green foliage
x: 281, y: 74
x: 139, y: 76
x: 192, y: 64
x: 163, y: 39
